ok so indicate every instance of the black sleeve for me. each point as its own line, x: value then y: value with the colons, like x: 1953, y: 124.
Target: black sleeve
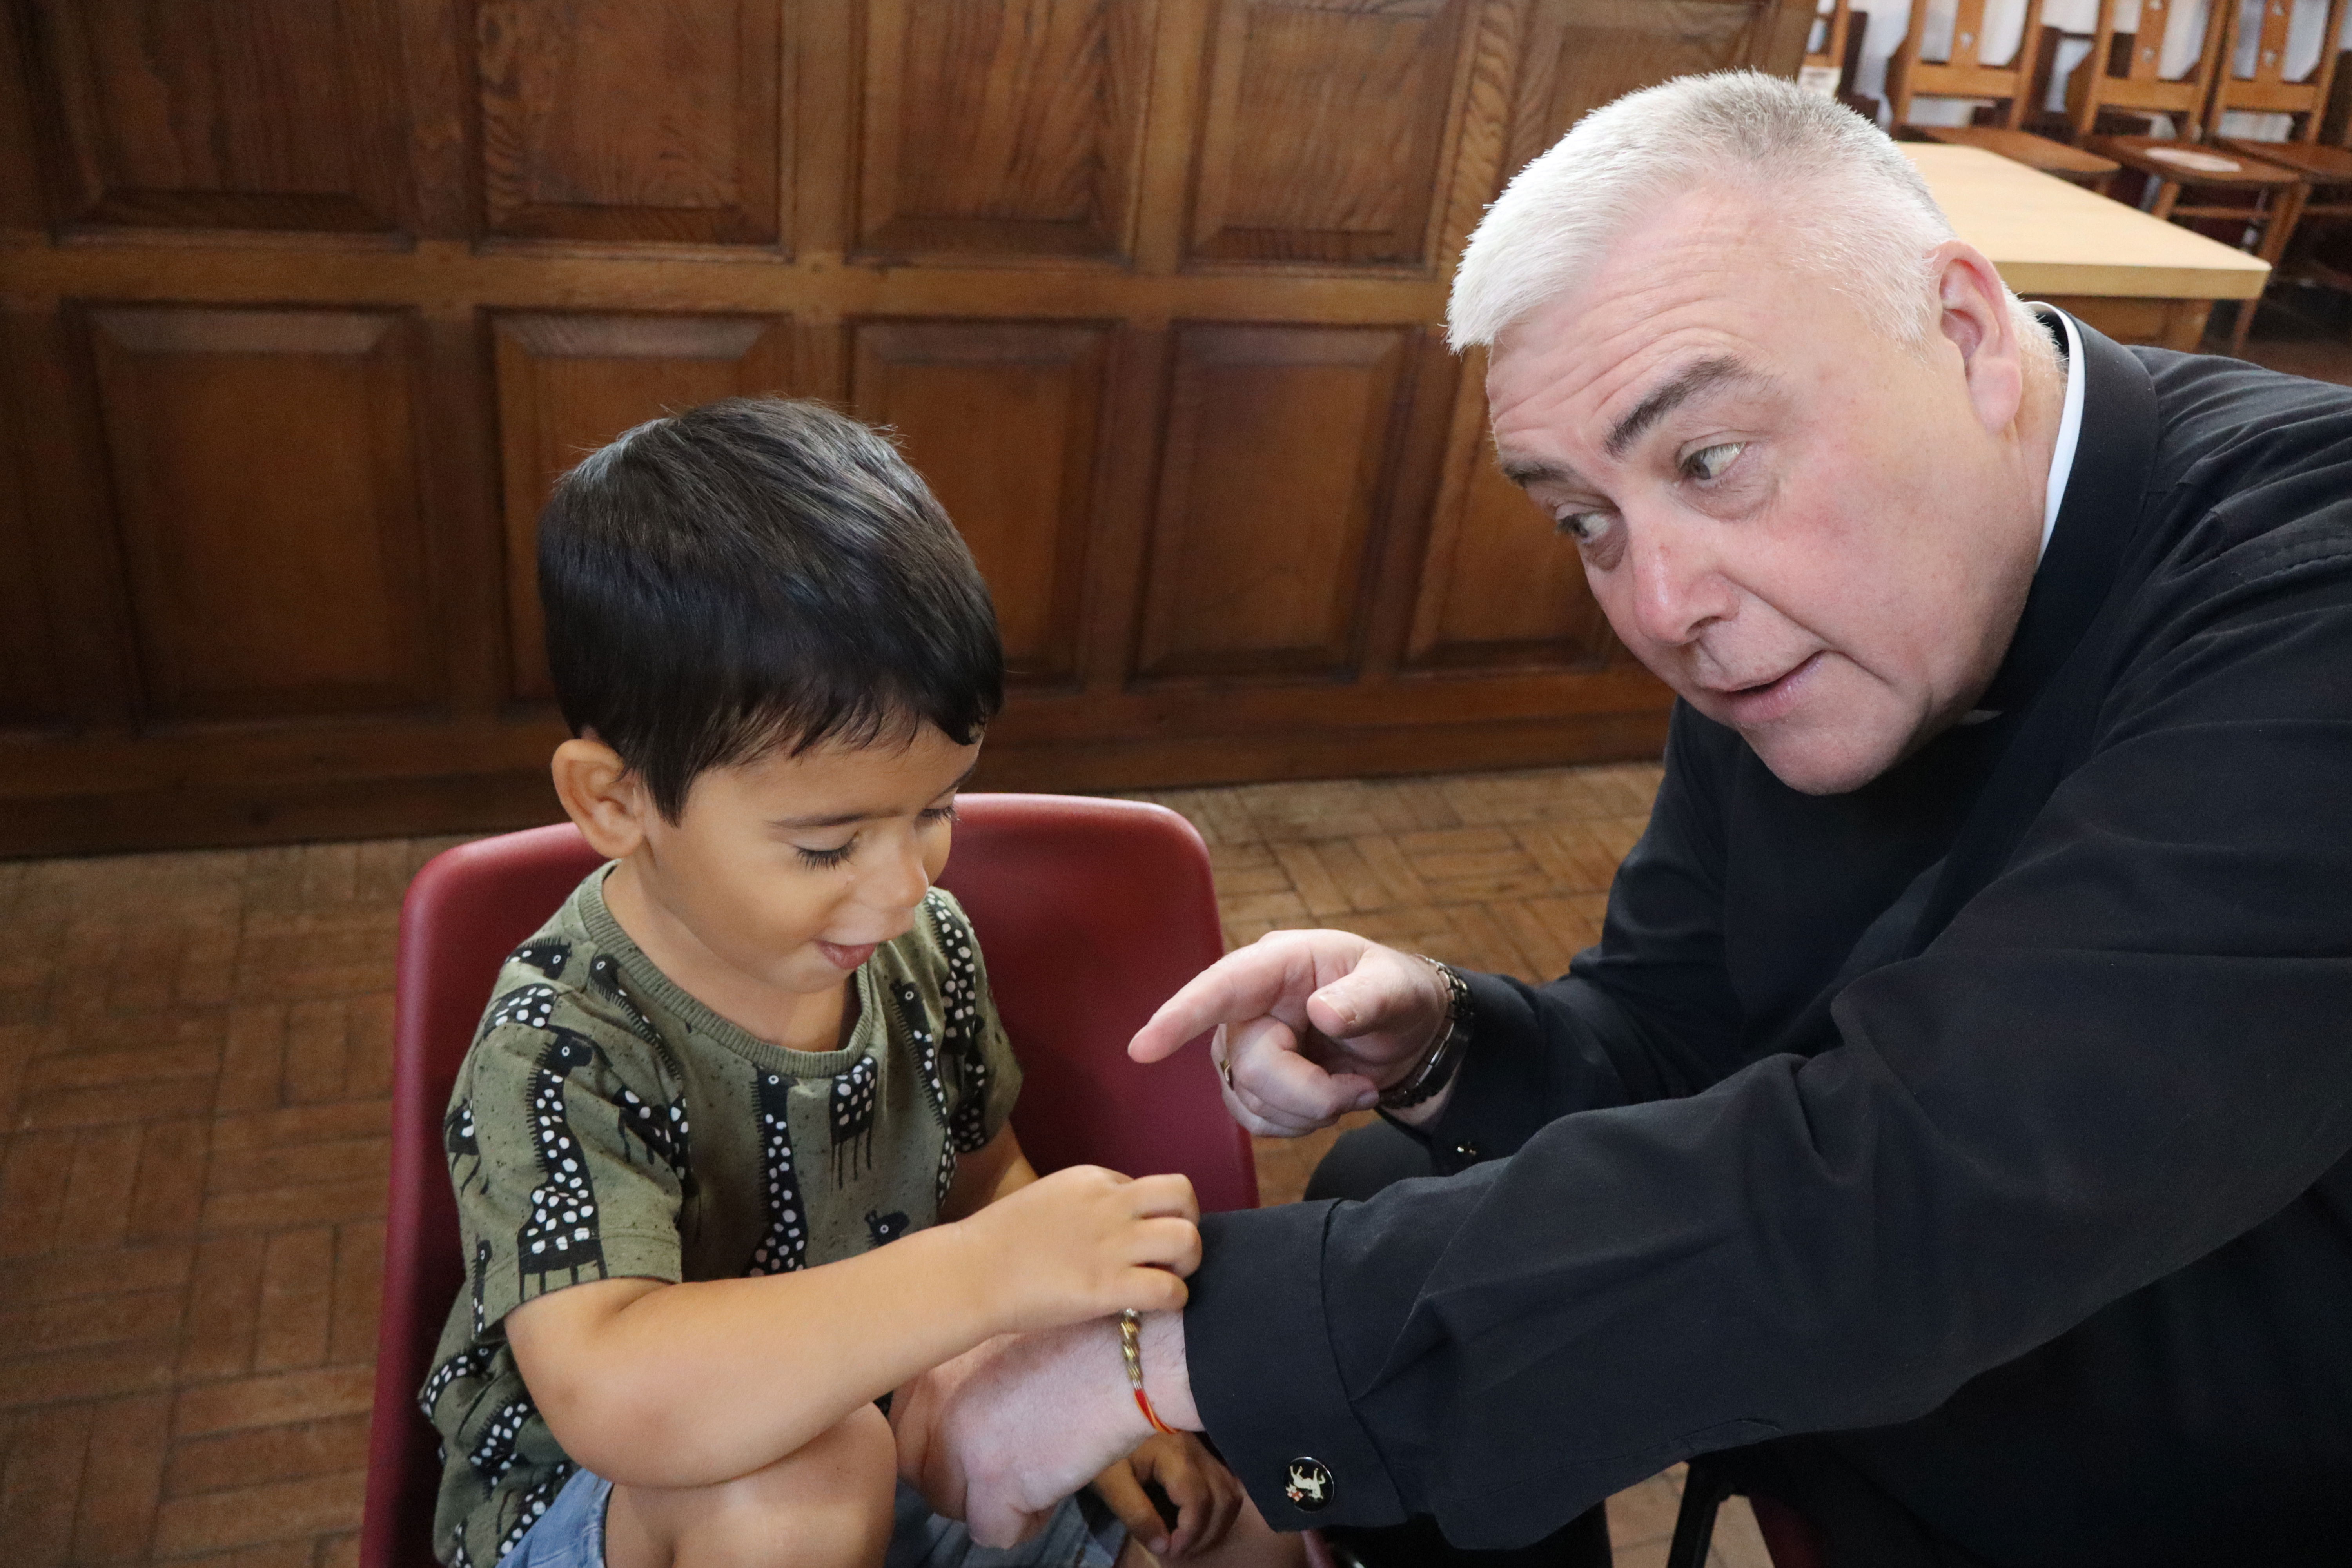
x: 1645, y: 1015
x: 2124, y: 1050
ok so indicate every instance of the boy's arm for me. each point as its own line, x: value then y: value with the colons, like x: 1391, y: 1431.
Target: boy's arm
x: 998, y: 1170
x: 659, y: 1384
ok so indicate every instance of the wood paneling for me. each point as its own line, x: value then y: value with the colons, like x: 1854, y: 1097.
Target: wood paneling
x: 1277, y: 446
x: 240, y: 114
x: 615, y: 120
x: 265, y: 481
x: 1003, y: 423
x: 1004, y: 127
x: 31, y: 694
x: 1149, y: 289
x: 1607, y: 49
x: 569, y: 383
x: 1360, y: 91
x: 1498, y: 586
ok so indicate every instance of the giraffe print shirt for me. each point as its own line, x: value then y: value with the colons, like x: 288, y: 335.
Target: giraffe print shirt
x: 605, y: 1124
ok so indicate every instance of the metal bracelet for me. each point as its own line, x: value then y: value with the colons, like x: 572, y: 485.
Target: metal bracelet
x: 1437, y: 1069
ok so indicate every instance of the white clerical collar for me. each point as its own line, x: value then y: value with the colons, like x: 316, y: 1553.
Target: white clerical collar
x: 2061, y: 456
x: 2069, y: 422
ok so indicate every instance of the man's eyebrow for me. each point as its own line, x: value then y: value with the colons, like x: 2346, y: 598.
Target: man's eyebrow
x: 1526, y: 471
x: 844, y: 819
x: 1701, y: 375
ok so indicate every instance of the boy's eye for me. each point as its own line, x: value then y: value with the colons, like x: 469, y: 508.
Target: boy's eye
x: 1708, y: 462
x: 825, y: 860
x: 940, y: 813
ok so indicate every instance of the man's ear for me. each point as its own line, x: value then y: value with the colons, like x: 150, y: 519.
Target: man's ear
x: 600, y: 795
x: 1975, y: 317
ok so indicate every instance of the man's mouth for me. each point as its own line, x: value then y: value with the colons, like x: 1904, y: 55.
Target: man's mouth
x: 1763, y: 701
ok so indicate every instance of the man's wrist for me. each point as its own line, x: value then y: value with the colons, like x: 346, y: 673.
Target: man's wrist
x: 1167, y: 1377
x: 1433, y: 1070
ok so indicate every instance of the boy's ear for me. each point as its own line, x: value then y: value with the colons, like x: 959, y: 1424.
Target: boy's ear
x: 600, y: 795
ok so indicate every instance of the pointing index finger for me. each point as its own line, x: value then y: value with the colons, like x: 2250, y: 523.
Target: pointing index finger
x: 1249, y: 983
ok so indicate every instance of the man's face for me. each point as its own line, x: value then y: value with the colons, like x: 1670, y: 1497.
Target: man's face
x: 1817, y: 535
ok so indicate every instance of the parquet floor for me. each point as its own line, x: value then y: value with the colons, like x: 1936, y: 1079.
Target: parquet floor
x: 192, y: 1085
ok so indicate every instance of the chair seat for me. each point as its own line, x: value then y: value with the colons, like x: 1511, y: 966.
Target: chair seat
x: 2318, y: 164
x: 2020, y: 147
x: 2184, y: 162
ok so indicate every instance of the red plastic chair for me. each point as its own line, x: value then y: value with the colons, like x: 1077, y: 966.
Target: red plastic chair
x: 1091, y: 913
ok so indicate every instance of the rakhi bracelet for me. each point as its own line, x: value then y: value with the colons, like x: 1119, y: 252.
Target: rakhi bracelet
x: 1131, y: 1346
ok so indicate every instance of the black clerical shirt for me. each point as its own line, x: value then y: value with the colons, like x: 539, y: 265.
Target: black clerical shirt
x: 1992, y: 1118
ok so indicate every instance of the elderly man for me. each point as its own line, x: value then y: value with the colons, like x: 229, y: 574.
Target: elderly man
x: 1953, y: 1116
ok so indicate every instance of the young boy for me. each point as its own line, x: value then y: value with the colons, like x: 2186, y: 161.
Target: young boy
x: 731, y: 1149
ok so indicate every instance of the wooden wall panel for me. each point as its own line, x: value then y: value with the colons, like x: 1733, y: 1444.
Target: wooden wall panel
x: 239, y: 114
x: 1012, y: 127
x: 1607, y: 49
x: 568, y: 384
x: 1277, y: 446
x: 31, y: 693
x: 308, y: 595
x: 1001, y: 421
x: 1147, y: 286
x: 611, y: 120
x: 1498, y: 586
x: 1324, y: 128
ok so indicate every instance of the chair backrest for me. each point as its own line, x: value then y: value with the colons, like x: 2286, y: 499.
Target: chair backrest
x: 2126, y: 70
x: 1962, y: 73
x: 1824, y: 70
x: 2267, y: 90
x: 1090, y: 913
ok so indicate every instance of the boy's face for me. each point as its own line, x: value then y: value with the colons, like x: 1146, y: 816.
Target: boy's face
x: 790, y: 871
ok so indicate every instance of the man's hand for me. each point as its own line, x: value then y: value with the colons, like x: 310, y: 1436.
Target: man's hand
x: 1207, y: 1496
x: 1311, y: 1025
x: 999, y: 1436
x: 1083, y: 1243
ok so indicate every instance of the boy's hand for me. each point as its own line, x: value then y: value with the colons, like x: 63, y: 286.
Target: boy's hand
x: 1207, y: 1496
x: 1085, y: 1243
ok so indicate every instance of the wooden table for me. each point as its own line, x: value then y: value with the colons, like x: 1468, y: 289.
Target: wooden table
x: 2136, y: 279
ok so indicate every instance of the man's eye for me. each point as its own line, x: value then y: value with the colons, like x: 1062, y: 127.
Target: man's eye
x: 1708, y: 462
x: 1583, y: 527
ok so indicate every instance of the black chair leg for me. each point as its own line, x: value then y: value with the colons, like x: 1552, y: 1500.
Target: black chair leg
x: 1704, y: 1490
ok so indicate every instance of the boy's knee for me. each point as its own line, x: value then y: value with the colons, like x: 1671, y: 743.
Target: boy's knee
x: 831, y: 1497
x: 827, y: 1504
x: 855, y: 1459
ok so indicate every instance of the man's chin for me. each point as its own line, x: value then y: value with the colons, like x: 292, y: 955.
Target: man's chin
x: 1816, y: 762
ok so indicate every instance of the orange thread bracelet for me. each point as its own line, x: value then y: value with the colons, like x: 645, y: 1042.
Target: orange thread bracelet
x: 1131, y: 1346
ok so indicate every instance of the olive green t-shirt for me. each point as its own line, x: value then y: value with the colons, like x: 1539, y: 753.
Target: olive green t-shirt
x: 607, y: 1124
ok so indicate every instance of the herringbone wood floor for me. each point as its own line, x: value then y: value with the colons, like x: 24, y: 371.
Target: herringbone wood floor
x: 192, y: 1084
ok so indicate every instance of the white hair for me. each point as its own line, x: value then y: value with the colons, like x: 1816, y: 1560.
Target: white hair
x: 1867, y: 220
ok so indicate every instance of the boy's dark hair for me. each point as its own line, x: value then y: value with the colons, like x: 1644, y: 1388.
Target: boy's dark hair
x: 752, y: 575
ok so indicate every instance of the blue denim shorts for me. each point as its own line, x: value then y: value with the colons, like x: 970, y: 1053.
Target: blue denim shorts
x: 1081, y: 1533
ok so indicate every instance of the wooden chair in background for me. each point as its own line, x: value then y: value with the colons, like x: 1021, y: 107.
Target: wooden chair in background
x: 2324, y: 163
x: 1824, y: 70
x: 2123, y: 71
x: 1962, y: 73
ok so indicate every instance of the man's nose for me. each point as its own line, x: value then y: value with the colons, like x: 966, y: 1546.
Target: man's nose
x: 1677, y: 583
